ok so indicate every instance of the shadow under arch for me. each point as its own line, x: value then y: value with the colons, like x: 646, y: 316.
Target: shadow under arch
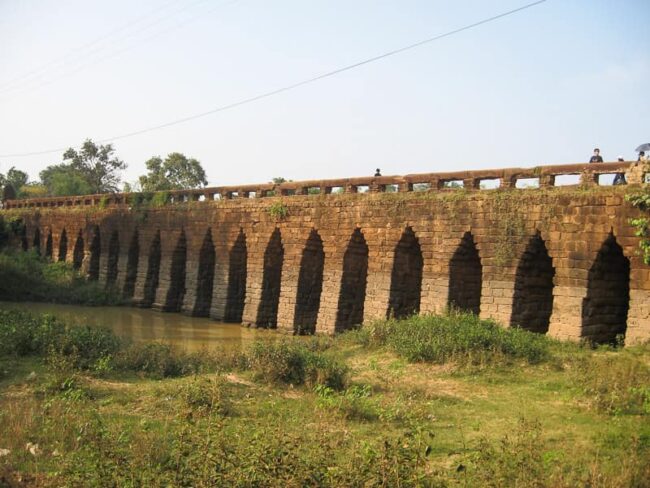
x: 63, y: 246
x: 465, y: 277
x: 532, y: 302
x: 310, y: 285
x: 95, y: 252
x: 236, y: 294
x: 36, y: 243
x: 205, y: 277
x: 132, y: 261
x: 153, y: 272
x: 78, y: 251
x: 176, y: 291
x: 48, y: 245
x: 267, y: 311
x: 605, y: 308
x: 406, y: 277
x: 113, y: 258
x: 352, y: 295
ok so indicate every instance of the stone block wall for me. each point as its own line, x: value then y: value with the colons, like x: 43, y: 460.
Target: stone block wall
x: 558, y: 261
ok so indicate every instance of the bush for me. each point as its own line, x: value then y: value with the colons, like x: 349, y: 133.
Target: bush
x: 23, y: 334
x: 616, y: 382
x: 460, y: 338
x: 25, y: 276
x: 295, y: 363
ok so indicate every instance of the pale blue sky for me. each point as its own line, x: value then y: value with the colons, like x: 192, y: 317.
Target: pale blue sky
x: 543, y: 86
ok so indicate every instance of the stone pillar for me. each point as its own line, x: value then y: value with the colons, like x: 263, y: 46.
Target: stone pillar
x: 194, y: 237
x: 168, y: 242
x: 381, y: 252
x: 334, y: 247
x: 294, y: 240
x: 256, y: 244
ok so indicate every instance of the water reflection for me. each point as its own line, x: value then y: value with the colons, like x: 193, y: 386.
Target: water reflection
x: 145, y: 325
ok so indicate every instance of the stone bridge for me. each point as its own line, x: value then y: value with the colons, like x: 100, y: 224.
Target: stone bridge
x: 323, y: 256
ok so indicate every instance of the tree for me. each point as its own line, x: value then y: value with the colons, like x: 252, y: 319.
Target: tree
x: 64, y: 180
x: 97, y: 165
x: 176, y: 172
x: 13, y: 183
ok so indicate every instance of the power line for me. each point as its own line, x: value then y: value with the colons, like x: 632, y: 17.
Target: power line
x: 277, y: 91
x: 38, y: 72
x: 39, y: 80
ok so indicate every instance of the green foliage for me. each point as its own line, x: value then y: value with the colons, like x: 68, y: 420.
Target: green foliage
x: 97, y: 165
x: 641, y: 200
x: 64, y: 180
x: 23, y: 334
x: 176, y: 172
x: 458, y: 338
x: 294, y: 363
x: 278, y: 211
x: 25, y: 276
x: 157, y: 360
x: 616, y: 384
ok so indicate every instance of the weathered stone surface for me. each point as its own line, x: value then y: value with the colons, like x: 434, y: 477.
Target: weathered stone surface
x: 561, y: 261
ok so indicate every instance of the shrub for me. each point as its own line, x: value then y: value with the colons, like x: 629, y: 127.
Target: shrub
x: 460, y: 338
x: 615, y: 382
x: 295, y: 363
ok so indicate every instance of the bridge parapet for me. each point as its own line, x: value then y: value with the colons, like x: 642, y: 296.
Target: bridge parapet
x: 508, y: 178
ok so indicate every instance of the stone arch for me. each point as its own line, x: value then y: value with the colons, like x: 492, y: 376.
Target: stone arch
x: 176, y: 291
x: 48, y: 245
x: 132, y: 261
x: 604, y: 309
x: 406, y: 277
x: 95, y: 252
x: 78, y: 252
x: 353, y: 283
x: 237, y: 262
x: 153, y: 271
x: 533, y: 295
x: 267, y: 311
x: 310, y: 285
x: 465, y: 277
x: 36, y: 243
x: 205, y: 276
x: 113, y: 258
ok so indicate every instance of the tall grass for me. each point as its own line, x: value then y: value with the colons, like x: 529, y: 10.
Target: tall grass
x: 25, y: 276
x: 457, y: 338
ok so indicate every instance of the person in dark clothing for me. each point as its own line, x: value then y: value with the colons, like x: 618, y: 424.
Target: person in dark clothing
x: 642, y: 157
x: 596, y: 158
x: 377, y: 172
x: 619, y: 179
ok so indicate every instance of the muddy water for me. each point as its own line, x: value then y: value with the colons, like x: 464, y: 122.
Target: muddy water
x: 145, y: 325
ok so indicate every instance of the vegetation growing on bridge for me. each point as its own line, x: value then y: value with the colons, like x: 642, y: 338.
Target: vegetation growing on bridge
x: 641, y: 200
x: 80, y: 407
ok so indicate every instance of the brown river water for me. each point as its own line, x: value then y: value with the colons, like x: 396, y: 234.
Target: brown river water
x: 146, y: 325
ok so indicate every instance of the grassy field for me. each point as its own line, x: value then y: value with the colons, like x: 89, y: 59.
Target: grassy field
x: 428, y: 401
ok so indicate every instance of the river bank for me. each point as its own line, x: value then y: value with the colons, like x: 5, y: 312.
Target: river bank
x: 430, y: 401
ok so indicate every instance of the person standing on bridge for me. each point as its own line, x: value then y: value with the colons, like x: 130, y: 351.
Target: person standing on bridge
x: 619, y: 179
x: 596, y: 158
x: 377, y: 172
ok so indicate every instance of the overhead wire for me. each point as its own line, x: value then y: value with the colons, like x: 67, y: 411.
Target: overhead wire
x: 293, y: 86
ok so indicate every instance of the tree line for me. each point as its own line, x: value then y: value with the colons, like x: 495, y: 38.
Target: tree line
x: 97, y: 169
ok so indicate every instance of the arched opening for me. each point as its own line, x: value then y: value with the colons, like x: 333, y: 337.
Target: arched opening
x: 176, y: 291
x: 37, y: 241
x: 236, y: 280
x: 63, y: 246
x: 48, y: 245
x: 533, y: 297
x: 132, y: 262
x: 78, y: 252
x: 23, y: 239
x: 205, y: 277
x: 465, y: 277
x: 95, y: 252
x: 310, y: 285
x: 406, y: 277
x: 604, y: 310
x: 353, y: 283
x: 153, y: 272
x: 113, y: 258
x: 267, y: 312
